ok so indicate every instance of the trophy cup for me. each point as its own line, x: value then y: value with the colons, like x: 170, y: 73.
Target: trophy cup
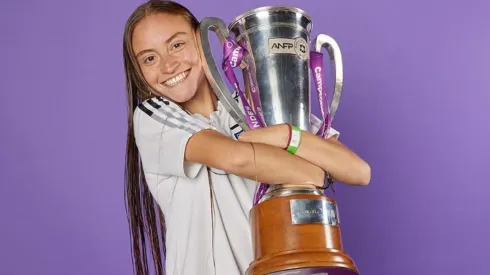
x: 295, y: 230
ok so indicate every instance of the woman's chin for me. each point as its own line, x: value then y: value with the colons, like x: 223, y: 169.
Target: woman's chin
x: 183, y: 97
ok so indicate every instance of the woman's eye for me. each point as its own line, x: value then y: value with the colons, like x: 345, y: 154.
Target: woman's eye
x: 177, y: 45
x: 149, y: 59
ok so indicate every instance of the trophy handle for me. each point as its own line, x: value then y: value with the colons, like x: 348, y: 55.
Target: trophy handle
x: 327, y: 42
x: 211, y: 70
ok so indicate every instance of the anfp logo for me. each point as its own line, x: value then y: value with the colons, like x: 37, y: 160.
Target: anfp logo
x: 282, y: 45
x: 297, y: 46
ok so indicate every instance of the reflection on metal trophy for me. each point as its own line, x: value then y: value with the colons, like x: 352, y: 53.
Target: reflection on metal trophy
x: 295, y: 230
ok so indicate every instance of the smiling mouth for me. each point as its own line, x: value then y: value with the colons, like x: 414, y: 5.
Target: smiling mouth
x: 177, y: 79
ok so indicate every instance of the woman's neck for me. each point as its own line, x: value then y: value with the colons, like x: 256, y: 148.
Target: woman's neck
x: 204, y: 101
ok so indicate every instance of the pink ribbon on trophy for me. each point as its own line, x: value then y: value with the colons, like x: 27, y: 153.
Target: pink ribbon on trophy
x: 233, y: 56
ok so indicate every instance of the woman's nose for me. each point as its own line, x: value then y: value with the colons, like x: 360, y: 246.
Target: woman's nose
x: 169, y: 65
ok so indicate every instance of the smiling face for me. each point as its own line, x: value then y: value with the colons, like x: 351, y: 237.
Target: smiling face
x: 165, y: 50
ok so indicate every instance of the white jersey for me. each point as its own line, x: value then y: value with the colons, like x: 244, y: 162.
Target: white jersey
x: 206, y: 210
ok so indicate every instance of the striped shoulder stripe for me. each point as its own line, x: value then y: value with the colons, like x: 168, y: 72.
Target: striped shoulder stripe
x: 154, y: 104
x: 166, y: 102
x: 171, y: 116
x: 180, y: 114
x: 145, y: 110
x: 143, y: 106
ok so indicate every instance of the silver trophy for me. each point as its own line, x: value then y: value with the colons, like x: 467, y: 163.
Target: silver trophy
x: 278, y: 41
x: 272, y: 47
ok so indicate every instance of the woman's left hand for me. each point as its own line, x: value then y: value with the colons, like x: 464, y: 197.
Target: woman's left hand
x: 274, y: 135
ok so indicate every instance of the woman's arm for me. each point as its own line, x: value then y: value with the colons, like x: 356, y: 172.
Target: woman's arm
x: 332, y: 156
x: 261, y: 162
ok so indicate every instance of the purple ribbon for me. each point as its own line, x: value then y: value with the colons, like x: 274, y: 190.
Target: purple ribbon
x: 233, y: 56
x: 316, y: 66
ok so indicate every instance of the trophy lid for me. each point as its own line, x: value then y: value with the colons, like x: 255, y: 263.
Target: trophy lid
x: 267, y: 9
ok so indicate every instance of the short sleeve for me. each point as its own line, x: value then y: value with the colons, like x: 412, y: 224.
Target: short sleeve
x: 162, y: 130
x: 315, y: 125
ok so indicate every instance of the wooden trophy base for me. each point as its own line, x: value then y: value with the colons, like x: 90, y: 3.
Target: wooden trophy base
x: 296, y: 231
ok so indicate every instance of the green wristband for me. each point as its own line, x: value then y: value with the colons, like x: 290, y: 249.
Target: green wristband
x: 295, y: 140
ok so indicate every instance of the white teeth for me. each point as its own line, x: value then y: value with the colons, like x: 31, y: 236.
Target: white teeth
x: 176, y: 79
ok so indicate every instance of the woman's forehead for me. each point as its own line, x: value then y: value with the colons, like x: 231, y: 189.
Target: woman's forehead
x: 163, y: 24
x: 159, y: 29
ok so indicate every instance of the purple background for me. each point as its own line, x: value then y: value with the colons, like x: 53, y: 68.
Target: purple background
x: 415, y: 106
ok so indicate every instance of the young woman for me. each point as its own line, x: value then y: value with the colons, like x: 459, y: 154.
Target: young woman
x: 190, y: 182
